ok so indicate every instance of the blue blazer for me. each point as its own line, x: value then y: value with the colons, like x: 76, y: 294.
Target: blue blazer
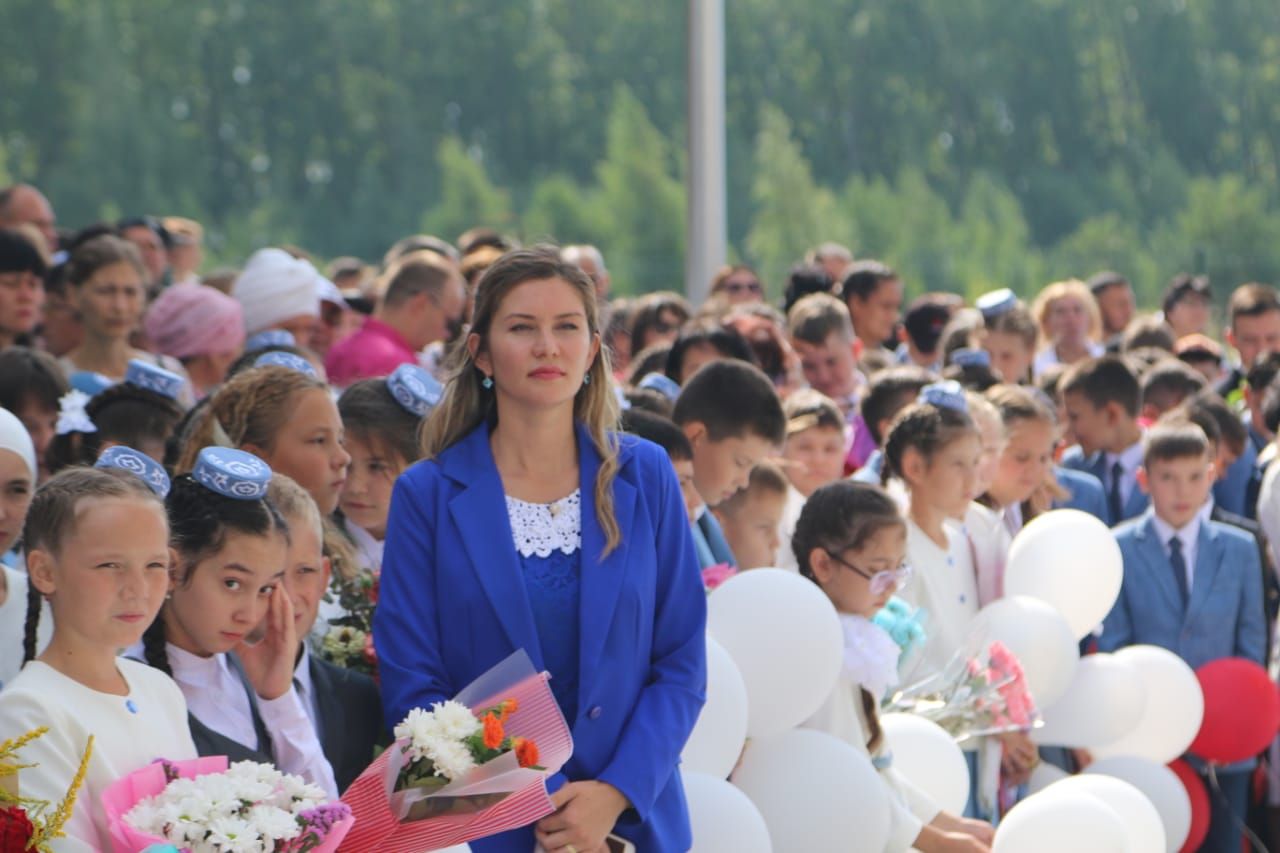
x: 1096, y: 464
x: 1224, y: 616
x: 453, y: 604
x: 1086, y: 493
x: 708, y: 539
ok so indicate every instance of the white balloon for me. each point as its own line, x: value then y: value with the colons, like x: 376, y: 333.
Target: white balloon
x: 929, y: 759
x: 784, y: 635
x: 1161, y: 787
x: 1173, y: 712
x: 1142, y: 823
x: 1040, y: 638
x: 1070, y: 822
x: 724, y: 819
x: 1044, y: 775
x: 1070, y: 560
x: 816, y: 792
x: 1104, y: 702
x: 717, y: 738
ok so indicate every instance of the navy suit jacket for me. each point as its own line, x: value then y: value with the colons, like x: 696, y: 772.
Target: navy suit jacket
x: 1224, y: 614
x: 453, y: 604
x: 1096, y: 464
x: 348, y: 717
x: 1086, y: 493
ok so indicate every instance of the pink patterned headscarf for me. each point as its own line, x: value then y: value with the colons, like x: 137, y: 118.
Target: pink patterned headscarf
x: 188, y: 320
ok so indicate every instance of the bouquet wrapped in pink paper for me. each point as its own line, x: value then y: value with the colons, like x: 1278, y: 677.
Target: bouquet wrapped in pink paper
x: 464, y: 769
x: 204, y: 806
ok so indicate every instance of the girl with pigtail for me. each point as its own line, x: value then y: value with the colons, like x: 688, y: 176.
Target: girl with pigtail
x: 97, y: 548
x: 227, y: 633
x: 850, y: 540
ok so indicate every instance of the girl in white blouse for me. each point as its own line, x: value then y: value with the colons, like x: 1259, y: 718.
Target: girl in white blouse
x: 850, y: 541
x: 98, y: 550
x: 227, y: 632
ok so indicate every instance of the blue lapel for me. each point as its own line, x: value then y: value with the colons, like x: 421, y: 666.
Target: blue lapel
x: 602, y: 576
x: 480, y: 513
x: 1136, y: 504
x: 1156, y: 563
x: 1209, y: 549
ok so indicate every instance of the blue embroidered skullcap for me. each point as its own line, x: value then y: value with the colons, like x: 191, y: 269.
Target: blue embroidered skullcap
x: 270, y: 338
x: 970, y: 357
x: 147, y: 469
x: 232, y: 473
x: 414, y: 389
x: 663, y: 384
x: 996, y: 302
x: 285, y: 359
x: 947, y: 394
x: 166, y: 383
x: 89, y: 382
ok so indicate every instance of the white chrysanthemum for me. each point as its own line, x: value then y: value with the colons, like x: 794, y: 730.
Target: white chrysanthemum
x: 146, y: 817
x: 452, y: 759
x: 273, y: 823
x: 455, y: 719
x: 234, y: 835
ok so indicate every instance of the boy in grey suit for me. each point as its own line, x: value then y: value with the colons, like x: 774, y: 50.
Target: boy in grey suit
x: 1191, y: 585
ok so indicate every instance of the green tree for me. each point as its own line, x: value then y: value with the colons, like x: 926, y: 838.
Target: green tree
x: 467, y: 197
x: 560, y: 210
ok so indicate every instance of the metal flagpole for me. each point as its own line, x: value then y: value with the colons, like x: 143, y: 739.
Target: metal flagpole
x: 706, y: 232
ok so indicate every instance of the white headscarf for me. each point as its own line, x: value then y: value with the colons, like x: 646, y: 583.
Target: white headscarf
x: 275, y: 286
x: 15, y: 438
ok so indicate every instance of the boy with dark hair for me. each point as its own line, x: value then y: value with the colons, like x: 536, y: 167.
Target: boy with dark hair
x: 663, y: 432
x: 873, y: 294
x: 732, y: 417
x: 1102, y: 399
x: 1253, y: 328
x: 1191, y: 586
x: 1165, y: 386
x: 751, y: 517
x: 921, y: 330
x: 32, y: 386
x: 890, y: 392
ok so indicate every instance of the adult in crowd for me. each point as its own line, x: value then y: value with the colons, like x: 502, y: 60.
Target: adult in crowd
x: 1116, y: 305
x: 185, y: 248
x: 22, y: 269
x: 873, y: 294
x: 279, y: 291
x: 23, y: 204
x: 201, y: 327
x: 149, y: 236
x: 587, y: 258
x: 1187, y: 304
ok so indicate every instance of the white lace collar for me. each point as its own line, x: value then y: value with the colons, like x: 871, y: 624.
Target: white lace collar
x: 540, y: 529
x: 870, y: 655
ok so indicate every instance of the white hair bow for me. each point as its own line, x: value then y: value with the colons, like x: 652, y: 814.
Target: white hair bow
x: 71, y: 414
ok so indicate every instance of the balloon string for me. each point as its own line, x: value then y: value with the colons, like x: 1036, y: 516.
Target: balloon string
x: 1236, y: 819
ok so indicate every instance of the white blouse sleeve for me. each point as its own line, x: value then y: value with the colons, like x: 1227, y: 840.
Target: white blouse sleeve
x: 294, y: 742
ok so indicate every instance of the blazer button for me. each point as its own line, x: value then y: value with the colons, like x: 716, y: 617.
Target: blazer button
x: 594, y: 713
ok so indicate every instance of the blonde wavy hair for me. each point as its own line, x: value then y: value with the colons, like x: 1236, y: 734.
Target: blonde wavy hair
x: 1071, y: 288
x: 466, y: 403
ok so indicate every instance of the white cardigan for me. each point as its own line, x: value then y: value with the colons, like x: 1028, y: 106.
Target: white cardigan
x: 910, y: 808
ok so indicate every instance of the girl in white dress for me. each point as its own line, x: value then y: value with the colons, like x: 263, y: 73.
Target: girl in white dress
x: 98, y: 549
x: 850, y: 540
x: 988, y: 540
x: 1025, y: 471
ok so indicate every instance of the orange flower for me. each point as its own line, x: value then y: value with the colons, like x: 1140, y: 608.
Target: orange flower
x: 526, y: 752
x: 493, y: 733
x: 507, y: 708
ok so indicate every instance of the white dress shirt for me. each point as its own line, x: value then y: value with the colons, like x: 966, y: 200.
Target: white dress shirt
x: 219, y: 699
x: 1187, y: 535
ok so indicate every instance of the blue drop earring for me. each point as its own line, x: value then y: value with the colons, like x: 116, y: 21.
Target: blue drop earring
x: 488, y: 383
x: 586, y: 380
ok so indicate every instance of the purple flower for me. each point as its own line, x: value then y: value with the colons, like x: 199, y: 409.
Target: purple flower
x: 322, y: 819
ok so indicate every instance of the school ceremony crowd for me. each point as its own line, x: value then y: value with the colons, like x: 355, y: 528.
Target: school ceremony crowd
x: 266, y: 512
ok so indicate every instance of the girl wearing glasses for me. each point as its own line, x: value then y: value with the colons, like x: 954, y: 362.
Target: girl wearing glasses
x: 850, y: 540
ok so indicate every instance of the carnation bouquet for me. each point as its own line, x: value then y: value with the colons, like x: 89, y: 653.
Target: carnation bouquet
x: 26, y: 823
x: 204, y: 806
x: 973, y: 695
x: 466, y: 768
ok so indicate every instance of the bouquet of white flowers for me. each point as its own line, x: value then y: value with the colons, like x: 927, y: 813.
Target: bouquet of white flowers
x: 206, y: 807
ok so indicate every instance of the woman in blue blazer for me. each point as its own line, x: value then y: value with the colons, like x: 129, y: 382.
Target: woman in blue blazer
x: 530, y: 525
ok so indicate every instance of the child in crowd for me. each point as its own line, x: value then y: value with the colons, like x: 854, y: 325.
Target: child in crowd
x: 750, y: 518
x: 851, y: 540
x: 873, y: 294
x: 286, y: 417
x: 1187, y: 304
x: 988, y: 538
x: 342, y: 704
x: 813, y: 456
x: 921, y: 329
x: 1009, y: 334
x: 890, y: 392
x: 141, y: 412
x: 733, y: 419
x: 1069, y: 325
x: 31, y: 386
x: 700, y: 344
x: 98, y: 549
x: 381, y: 418
x: 227, y: 635
x: 1102, y: 400
x: 663, y: 432
x: 1190, y: 585
x: 17, y: 485
x: 1026, y: 463
x: 823, y: 338
x: 1165, y: 386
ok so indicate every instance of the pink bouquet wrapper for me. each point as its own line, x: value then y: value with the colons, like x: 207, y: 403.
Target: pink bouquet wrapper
x: 496, y: 796
x: 125, y: 793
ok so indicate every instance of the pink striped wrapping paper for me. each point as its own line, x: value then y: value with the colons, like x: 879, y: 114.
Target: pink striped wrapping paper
x: 378, y: 829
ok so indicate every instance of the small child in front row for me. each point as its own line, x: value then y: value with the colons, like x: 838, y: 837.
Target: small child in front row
x: 1191, y: 585
x: 851, y: 540
x: 227, y: 634
x: 813, y: 456
x: 98, y: 549
x: 750, y: 518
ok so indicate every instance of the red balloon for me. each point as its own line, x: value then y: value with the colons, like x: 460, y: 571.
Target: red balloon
x: 1200, y: 812
x: 1241, y: 711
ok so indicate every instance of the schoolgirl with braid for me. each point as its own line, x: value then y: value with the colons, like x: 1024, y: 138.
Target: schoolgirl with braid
x: 227, y: 632
x: 97, y: 548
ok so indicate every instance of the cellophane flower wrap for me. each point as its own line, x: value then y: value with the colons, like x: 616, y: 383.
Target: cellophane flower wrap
x: 204, y: 806
x: 974, y: 695
x: 464, y: 769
